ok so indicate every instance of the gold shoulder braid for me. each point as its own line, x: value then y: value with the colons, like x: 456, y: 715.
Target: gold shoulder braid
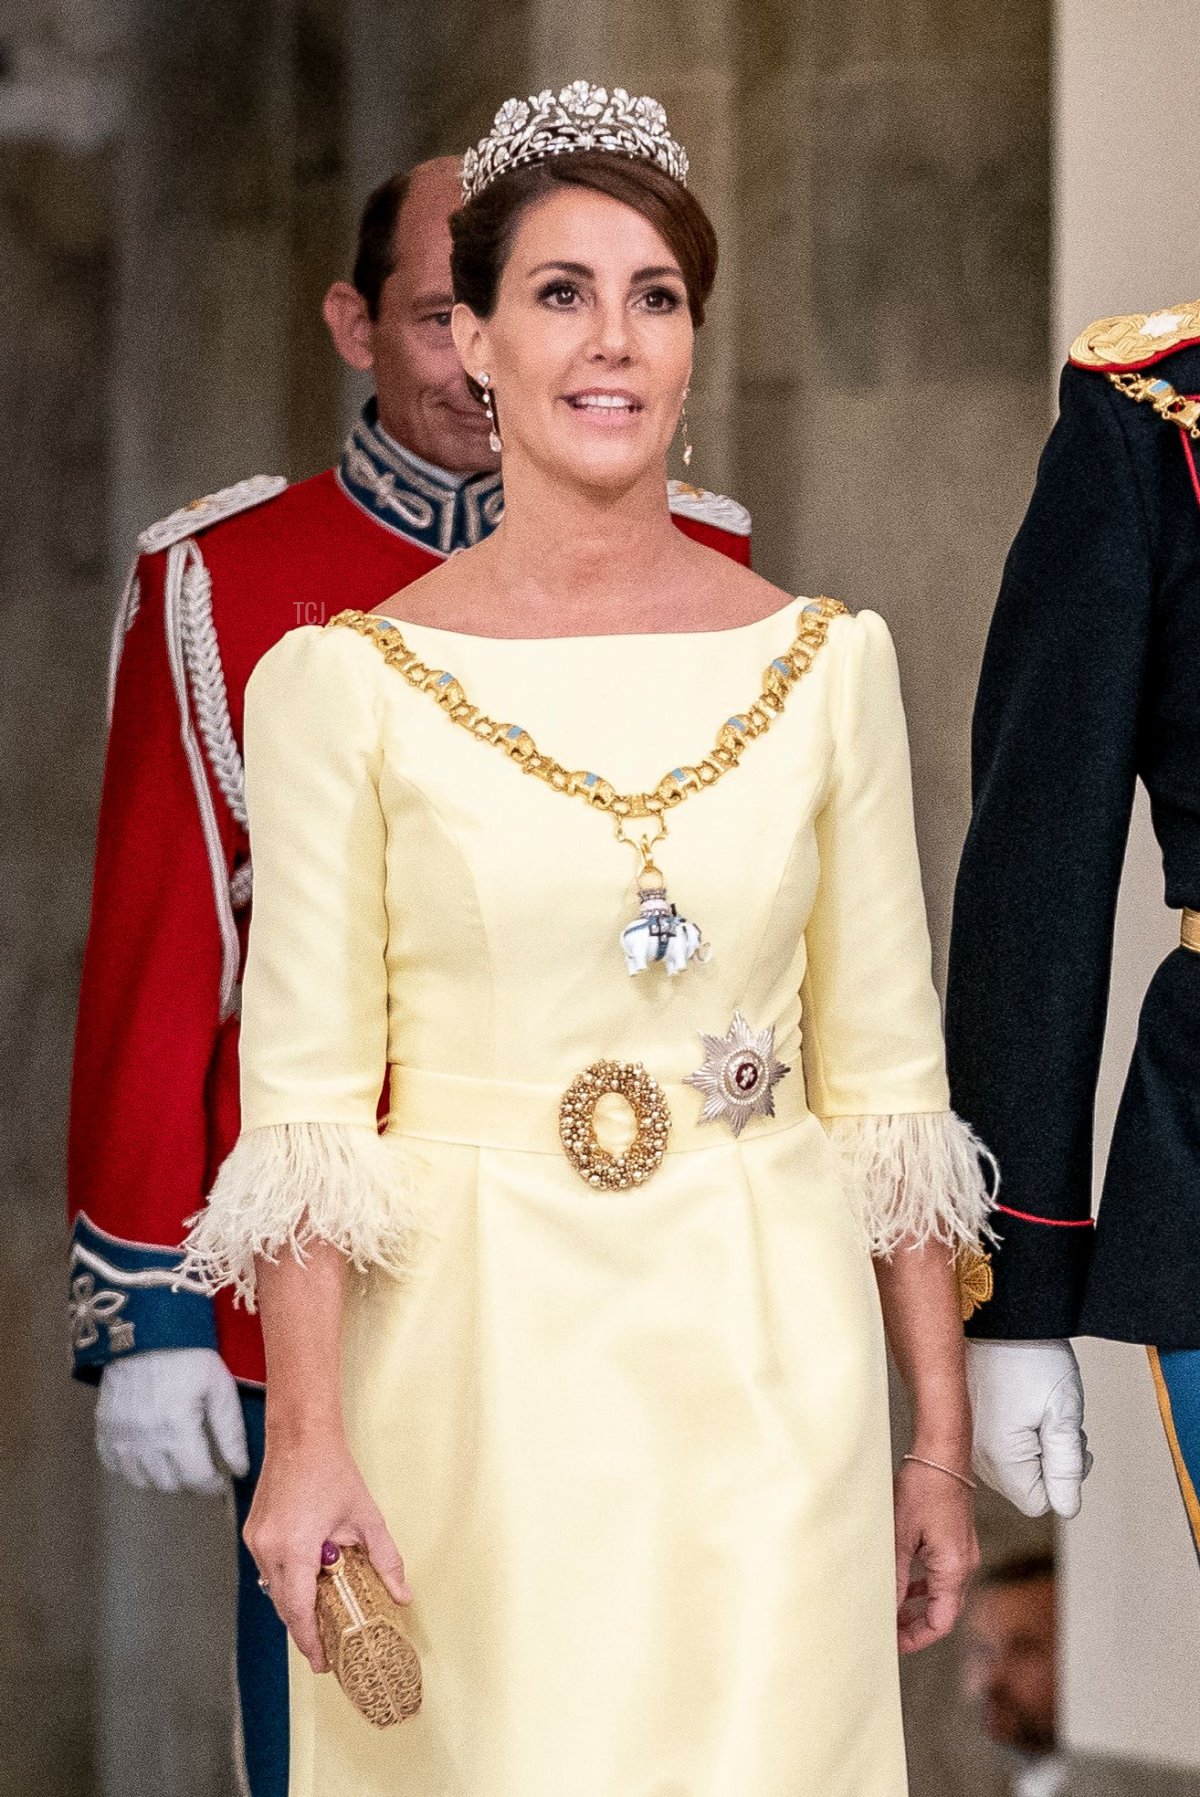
x: 1136, y: 339
x: 659, y: 933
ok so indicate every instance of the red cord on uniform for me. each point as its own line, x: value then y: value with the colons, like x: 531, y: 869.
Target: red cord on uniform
x: 1191, y: 459
x: 1050, y: 1222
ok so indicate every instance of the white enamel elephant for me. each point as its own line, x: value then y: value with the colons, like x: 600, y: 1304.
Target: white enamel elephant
x: 660, y: 936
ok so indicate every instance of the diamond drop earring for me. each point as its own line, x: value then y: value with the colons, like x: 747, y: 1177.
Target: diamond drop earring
x: 495, y: 442
x: 687, y: 442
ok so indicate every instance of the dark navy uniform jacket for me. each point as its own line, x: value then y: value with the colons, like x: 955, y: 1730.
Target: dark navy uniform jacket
x: 1090, y: 681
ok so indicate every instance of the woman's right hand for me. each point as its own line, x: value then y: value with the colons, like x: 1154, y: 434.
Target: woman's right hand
x: 311, y: 1491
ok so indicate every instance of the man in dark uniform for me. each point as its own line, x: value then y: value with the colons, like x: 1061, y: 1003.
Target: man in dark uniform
x: 1091, y: 681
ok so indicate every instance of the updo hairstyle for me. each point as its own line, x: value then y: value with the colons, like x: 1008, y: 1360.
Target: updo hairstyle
x: 483, y: 230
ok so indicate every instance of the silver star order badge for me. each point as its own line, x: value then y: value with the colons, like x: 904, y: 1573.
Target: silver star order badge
x: 739, y: 1075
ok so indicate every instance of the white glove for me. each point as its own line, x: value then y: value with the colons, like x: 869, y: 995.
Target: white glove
x: 171, y: 1419
x: 1027, y: 1402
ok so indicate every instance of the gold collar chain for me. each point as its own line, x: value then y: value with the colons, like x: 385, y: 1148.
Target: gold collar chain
x: 780, y: 676
x: 1161, y: 397
x: 659, y: 934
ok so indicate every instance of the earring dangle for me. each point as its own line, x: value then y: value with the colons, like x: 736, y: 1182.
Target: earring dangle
x: 494, y: 442
x: 687, y: 442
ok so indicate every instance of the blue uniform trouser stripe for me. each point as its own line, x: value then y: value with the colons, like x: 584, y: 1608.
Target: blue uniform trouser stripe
x: 1176, y: 1374
x: 261, y: 1640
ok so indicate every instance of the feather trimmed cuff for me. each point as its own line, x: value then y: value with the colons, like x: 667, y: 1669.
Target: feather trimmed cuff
x: 292, y: 1184
x: 918, y: 1177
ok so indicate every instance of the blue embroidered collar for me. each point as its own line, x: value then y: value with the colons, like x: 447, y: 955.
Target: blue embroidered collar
x: 440, y: 511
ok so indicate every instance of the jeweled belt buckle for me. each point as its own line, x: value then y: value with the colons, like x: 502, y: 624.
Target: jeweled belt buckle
x: 598, y: 1165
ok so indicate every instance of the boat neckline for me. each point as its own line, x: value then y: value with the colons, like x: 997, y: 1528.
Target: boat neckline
x: 604, y: 636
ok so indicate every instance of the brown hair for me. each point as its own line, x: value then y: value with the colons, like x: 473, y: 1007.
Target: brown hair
x: 375, y: 256
x: 483, y: 230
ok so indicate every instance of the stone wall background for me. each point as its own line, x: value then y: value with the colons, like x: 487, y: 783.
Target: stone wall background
x: 179, y: 180
x: 55, y: 301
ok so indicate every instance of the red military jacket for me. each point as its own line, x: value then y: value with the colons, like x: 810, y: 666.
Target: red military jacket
x: 154, y: 1103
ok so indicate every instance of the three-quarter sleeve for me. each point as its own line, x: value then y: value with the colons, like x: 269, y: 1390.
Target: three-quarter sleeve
x: 873, y: 1048
x: 310, y: 1163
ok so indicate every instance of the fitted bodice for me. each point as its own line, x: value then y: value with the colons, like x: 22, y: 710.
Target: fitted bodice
x: 421, y: 901
x: 489, y: 869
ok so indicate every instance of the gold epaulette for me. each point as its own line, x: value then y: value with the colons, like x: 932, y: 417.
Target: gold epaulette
x: 1124, y: 345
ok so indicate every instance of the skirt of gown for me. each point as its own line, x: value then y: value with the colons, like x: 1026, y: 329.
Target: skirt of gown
x: 639, y: 1470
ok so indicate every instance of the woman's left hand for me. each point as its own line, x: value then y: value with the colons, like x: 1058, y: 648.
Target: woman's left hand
x: 936, y: 1553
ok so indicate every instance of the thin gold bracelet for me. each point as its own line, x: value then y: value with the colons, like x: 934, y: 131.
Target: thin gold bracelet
x: 920, y: 1460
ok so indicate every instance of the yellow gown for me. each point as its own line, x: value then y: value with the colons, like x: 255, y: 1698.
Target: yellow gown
x: 632, y: 1444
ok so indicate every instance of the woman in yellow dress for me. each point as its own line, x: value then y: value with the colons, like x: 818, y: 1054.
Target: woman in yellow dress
x: 593, y: 1330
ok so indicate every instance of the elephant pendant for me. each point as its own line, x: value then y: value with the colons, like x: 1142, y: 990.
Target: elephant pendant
x: 658, y: 933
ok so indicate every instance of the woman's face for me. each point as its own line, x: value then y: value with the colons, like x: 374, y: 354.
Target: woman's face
x: 589, y: 347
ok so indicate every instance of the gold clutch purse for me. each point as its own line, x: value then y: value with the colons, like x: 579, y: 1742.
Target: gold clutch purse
x: 368, y: 1651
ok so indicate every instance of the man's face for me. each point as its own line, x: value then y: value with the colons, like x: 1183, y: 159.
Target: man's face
x: 1008, y: 1662
x: 424, y: 401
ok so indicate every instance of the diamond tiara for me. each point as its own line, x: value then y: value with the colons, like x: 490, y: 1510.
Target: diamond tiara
x: 578, y: 117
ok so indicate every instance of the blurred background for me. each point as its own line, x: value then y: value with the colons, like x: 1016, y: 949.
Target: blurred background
x: 920, y: 202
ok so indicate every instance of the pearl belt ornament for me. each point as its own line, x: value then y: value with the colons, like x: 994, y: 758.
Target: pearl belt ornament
x: 599, y: 1166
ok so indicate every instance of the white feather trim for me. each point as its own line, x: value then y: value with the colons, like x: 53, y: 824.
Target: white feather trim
x: 918, y: 1177
x: 292, y: 1184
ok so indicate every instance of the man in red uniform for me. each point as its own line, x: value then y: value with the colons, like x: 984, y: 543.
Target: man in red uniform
x: 155, y: 1097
